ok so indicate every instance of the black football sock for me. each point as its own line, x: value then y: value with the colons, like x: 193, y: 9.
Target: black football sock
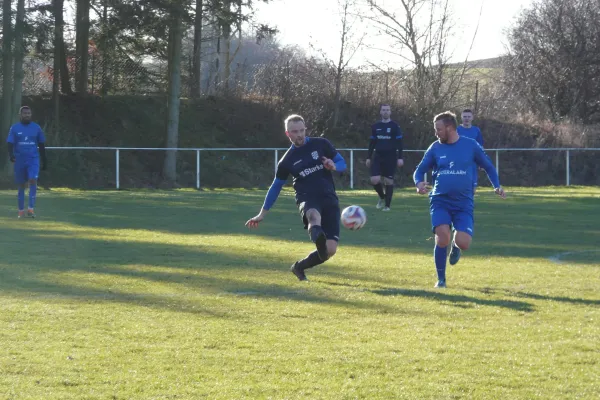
x: 314, y: 232
x: 389, y: 192
x: 310, y: 261
x: 379, y: 190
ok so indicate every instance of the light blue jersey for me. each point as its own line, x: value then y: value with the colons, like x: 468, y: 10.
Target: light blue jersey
x: 472, y: 133
x: 25, y: 138
x: 455, y: 165
x: 451, y: 200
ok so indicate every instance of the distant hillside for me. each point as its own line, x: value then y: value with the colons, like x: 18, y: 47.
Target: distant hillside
x: 484, y: 63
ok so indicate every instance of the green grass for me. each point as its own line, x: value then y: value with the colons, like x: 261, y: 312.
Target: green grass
x: 164, y: 295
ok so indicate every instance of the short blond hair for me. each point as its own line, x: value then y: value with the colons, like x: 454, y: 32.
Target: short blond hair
x: 293, y: 118
x: 448, y: 117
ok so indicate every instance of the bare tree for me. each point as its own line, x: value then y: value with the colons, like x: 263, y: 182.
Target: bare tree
x: 555, y: 58
x: 197, y: 54
x: 174, y: 69
x: 420, y: 30
x: 19, y: 52
x: 7, y: 42
x: 82, y: 35
x: 351, y: 41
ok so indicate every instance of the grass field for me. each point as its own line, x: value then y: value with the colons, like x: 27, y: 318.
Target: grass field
x: 165, y: 295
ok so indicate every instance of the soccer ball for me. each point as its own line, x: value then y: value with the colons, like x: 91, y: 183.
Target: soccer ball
x: 354, y: 218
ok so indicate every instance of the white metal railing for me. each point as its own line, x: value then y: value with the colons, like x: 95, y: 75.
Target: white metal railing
x: 275, y: 151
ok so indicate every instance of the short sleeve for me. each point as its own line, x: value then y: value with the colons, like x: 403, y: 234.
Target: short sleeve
x: 329, y: 151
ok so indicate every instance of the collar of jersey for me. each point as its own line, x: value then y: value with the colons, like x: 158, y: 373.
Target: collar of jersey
x: 306, y: 141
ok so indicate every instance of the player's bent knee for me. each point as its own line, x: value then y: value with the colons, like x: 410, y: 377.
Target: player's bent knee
x: 33, y: 181
x: 442, y: 235
x: 442, y: 240
x: 375, y: 180
x: 331, y: 248
x: 313, y: 217
x: 463, y: 240
x: 388, y: 181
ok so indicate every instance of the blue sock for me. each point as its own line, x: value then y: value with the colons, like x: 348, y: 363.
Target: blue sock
x: 21, y: 198
x: 32, y: 194
x: 440, y: 254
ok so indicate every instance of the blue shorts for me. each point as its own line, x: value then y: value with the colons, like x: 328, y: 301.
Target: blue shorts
x: 328, y: 207
x: 384, y: 164
x: 446, y: 213
x: 26, y: 170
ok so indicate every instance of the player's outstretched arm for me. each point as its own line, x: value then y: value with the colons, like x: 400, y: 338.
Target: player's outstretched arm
x: 272, y: 194
x: 425, y: 165
x: 484, y: 162
x: 254, y: 221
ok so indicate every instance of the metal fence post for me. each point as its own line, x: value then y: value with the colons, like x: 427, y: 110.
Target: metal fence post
x: 197, y: 169
x: 276, y: 159
x: 351, y: 169
x: 497, y: 162
x: 568, y: 168
x: 117, y: 172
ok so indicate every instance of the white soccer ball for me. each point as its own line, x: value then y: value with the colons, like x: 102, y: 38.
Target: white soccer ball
x: 354, y: 218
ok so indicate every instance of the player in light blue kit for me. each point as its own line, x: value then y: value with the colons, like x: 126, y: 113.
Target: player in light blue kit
x: 451, y: 199
x: 24, y: 139
x: 467, y: 129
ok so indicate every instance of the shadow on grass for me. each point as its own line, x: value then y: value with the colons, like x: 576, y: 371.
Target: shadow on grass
x: 459, y: 300
x: 518, y: 227
x: 535, y: 296
x: 120, y: 271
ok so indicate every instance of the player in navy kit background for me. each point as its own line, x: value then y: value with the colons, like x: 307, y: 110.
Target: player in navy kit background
x: 451, y: 200
x: 310, y: 162
x: 386, y: 142
x: 24, y: 139
x: 467, y: 129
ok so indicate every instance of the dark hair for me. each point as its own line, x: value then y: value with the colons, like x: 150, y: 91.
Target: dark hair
x: 467, y: 110
x: 24, y: 108
x: 448, y: 117
x: 384, y: 104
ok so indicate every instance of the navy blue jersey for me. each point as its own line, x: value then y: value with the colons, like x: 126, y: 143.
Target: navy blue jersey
x: 26, y: 138
x: 386, y: 137
x: 454, y: 165
x: 472, y: 133
x: 305, y: 165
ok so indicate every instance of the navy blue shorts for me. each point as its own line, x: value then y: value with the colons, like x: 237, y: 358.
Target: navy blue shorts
x: 26, y: 170
x: 329, y: 208
x: 446, y: 213
x: 384, y: 164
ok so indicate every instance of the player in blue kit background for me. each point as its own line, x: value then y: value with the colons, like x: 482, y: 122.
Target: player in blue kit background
x: 451, y: 199
x: 310, y: 162
x: 24, y: 140
x: 386, y: 142
x: 467, y: 129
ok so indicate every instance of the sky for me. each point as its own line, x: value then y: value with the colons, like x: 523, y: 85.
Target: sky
x: 316, y: 22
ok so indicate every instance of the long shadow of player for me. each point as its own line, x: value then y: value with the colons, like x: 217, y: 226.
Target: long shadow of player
x: 459, y: 300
